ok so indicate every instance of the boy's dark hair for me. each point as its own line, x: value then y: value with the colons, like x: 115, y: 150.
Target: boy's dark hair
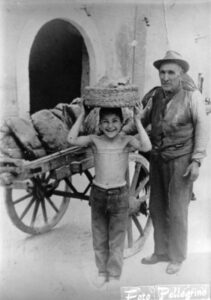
x: 111, y: 110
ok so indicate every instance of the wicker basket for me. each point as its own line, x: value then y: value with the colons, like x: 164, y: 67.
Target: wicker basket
x: 120, y: 96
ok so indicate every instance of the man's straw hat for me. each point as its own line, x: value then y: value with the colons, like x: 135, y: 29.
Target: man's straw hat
x: 172, y: 57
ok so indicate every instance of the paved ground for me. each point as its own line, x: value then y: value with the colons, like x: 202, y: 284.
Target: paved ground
x: 60, y: 265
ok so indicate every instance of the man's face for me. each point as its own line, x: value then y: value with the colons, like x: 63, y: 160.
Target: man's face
x: 170, y: 76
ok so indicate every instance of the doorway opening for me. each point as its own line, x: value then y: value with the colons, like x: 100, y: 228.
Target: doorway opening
x: 58, y: 65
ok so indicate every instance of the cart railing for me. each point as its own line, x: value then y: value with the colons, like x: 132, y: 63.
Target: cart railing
x: 62, y: 164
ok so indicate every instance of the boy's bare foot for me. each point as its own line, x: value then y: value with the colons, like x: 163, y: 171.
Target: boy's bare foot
x: 100, y: 280
x: 113, y: 282
x: 173, y: 267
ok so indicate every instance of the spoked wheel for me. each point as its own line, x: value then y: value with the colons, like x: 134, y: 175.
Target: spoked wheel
x: 37, y: 208
x: 139, y: 224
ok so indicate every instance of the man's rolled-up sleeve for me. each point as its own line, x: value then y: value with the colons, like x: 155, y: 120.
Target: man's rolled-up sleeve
x: 201, y: 126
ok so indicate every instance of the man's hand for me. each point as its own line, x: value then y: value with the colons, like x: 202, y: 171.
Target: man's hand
x: 192, y: 171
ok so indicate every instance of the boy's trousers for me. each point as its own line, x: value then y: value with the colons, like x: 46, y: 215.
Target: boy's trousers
x: 109, y: 223
x: 170, y: 196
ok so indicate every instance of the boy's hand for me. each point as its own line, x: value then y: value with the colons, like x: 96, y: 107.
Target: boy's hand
x: 80, y: 103
x: 137, y: 112
x: 85, y: 110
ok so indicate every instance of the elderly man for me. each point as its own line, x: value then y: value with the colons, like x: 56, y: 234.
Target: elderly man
x: 179, y: 138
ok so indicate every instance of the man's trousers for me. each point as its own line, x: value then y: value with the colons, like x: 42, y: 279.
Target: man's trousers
x: 169, y: 200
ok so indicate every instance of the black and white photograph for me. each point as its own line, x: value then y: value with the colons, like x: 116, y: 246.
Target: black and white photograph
x: 105, y: 149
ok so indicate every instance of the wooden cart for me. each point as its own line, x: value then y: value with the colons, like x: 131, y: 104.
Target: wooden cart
x: 40, y: 191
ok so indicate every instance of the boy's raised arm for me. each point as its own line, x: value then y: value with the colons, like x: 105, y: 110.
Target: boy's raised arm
x: 73, y: 137
x: 143, y: 142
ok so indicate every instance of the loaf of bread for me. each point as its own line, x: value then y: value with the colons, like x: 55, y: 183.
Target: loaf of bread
x: 52, y: 131
x: 22, y: 131
x: 8, y: 144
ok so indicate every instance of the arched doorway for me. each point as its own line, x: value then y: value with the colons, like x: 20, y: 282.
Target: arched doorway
x: 58, y: 65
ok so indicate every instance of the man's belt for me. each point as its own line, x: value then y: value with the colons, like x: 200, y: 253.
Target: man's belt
x: 171, y: 147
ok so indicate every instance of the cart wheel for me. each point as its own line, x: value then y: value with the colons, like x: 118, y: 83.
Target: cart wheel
x: 139, y: 223
x: 37, y: 208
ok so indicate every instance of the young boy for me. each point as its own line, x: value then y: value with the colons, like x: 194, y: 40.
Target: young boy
x: 109, y: 196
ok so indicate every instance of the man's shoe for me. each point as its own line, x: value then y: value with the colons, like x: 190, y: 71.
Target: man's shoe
x: 154, y: 259
x: 173, y: 267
